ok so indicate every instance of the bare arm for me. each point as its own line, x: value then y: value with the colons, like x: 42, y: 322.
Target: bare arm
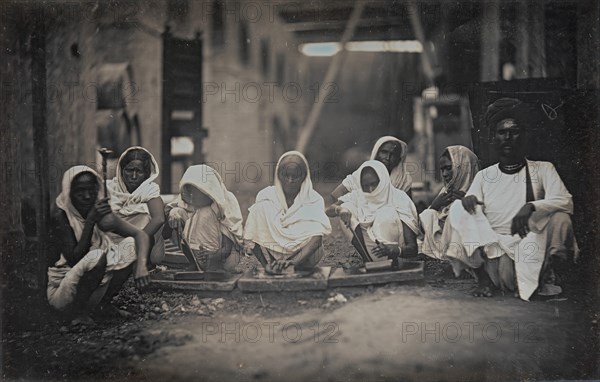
x: 71, y: 249
x: 409, y: 249
x: 336, y: 194
x: 157, y: 216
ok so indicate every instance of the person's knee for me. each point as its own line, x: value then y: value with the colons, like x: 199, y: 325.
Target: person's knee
x: 561, y: 220
x: 386, y: 215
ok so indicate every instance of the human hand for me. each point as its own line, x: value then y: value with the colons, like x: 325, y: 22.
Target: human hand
x: 177, y: 218
x: 345, y: 215
x: 390, y: 251
x: 520, y: 223
x: 277, y: 266
x: 99, y: 210
x: 470, y: 202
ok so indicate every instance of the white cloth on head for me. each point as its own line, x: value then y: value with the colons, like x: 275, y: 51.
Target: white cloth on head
x: 76, y: 221
x: 125, y: 203
x: 285, y: 230
x: 225, y: 205
x: 503, y: 196
x: 399, y: 177
x: 62, y: 279
x: 366, y: 205
x: 133, y: 207
x: 465, y: 166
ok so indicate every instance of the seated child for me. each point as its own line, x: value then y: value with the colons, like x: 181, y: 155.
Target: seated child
x: 207, y: 218
x: 381, y: 220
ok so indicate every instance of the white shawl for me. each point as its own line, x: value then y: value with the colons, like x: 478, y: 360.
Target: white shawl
x: 286, y: 230
x: 226, y: 206
x: 364, y: 205
x: 125, y: 203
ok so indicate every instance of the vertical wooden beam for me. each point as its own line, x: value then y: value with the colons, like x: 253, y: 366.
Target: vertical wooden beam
x: 490, y: 41
x: 40, y: 140
x: 166, y: 162
x: 537, y: 39
x: 12, y: 237
x: 588, y: 44
x: 522, y: 39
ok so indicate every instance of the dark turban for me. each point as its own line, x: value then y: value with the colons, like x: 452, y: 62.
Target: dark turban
x: 506, y: 108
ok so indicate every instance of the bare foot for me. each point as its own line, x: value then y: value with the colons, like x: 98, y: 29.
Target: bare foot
x: 82, y: 319
x: 483, y: 291
x: 109, y: 311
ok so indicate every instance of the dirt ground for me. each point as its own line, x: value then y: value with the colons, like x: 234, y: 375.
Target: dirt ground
x: 427, y: 330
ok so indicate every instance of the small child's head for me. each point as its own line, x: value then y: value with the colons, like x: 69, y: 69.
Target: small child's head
x: 193, y: 196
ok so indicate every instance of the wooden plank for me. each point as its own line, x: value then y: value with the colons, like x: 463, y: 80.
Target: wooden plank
x: 216, y: 286
x: 175, y: 258
x: 259, y: 281
x: 412, y: 270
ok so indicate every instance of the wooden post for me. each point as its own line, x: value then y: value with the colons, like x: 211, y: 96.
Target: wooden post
x: 537, y: 39
x: 330, y: 75
x: 490, y: 41
x: 588, y: 44
x: 12, y: 237
x: 40, y: 142
x: 522, y: 39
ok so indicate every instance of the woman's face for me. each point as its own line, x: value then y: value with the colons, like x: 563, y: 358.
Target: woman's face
x: 446, y: 168
x: 291, y: 173
x: 84, y: 192
x: 389, y: 154
x: 134, y: 174
x: 193, y: 196
x: 369, y: 180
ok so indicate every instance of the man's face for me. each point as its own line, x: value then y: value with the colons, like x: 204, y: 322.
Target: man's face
x: 84, y: 192
x: 509, y: 139
x: 389, y: 154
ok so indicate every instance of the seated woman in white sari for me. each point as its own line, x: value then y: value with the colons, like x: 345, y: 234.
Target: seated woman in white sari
x: 381, y: 220
x: 390, y: 151
x: 458, y: 166
x: 135, y: 197
x: 206, y: 217
x: 91, y: 268
x: 286, y: 224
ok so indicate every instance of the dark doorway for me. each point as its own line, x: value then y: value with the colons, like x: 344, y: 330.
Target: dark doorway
x: 182, y: 131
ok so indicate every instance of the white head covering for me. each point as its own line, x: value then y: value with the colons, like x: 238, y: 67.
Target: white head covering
x: 76, y: 221
x: 465, y: 166
x: 271, y: 223
x: 125, y: 203
x: 226, y: 206
x: 364, y: 205
x: 398, y: 176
